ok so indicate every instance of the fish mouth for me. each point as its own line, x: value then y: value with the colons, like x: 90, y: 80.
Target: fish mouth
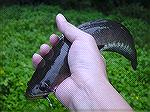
x: 30, y: 95
x: 36, y: 92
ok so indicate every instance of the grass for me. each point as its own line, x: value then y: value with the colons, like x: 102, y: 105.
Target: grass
x: 24, y: 28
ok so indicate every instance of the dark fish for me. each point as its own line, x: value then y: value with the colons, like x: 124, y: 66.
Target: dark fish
x: 53, y: 69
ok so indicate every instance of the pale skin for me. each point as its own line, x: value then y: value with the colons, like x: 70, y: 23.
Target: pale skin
x: 87, y: 89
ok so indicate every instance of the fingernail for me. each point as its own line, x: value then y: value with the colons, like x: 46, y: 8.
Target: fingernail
x: 36, y: 58
x: 35, y: 55
x: 44, y: 49
x: 53, y: 39
x: 60, y: 17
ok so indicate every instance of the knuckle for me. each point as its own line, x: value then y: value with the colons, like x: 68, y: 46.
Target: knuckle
x: 89, y: 37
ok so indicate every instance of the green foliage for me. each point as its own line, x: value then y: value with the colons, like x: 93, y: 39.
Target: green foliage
x: 134, y: 10
x: 24, y: 29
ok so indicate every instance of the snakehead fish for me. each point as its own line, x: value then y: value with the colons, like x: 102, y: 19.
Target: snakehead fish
x: 53, y: 69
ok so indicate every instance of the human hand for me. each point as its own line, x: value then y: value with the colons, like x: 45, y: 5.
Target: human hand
x: 87, y: 88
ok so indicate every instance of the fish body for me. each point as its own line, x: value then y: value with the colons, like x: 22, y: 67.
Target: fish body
x: 53, y: 69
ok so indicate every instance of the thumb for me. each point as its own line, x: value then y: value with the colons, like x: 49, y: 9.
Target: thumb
x: 70, y: 31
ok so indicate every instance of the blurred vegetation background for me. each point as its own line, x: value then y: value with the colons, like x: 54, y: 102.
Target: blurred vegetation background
x: 26, y: 24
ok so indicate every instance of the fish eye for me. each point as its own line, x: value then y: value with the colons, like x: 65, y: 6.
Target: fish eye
x: 43, y: 86
x: 37, y: 87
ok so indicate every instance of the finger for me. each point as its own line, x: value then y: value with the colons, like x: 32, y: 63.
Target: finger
x: 53, y: 39
x: 70, y: 31
x: 44, y: 49
x: 36, y: 59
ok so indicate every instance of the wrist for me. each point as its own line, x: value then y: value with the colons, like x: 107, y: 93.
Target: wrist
x: 87, y: 99
x: 101, y: 98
